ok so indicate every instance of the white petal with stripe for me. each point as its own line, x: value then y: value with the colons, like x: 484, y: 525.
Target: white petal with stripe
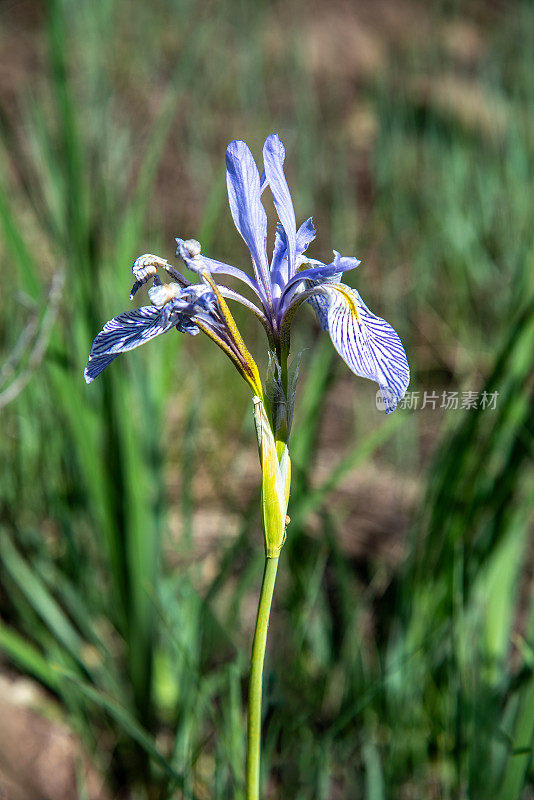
x: 132, y: 329
x: 126, y: 332
x: 366, y: 343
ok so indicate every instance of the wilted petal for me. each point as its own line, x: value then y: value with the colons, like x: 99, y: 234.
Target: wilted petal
x: 273, y: 159
x: 368, y: 344
x: 249, y: 215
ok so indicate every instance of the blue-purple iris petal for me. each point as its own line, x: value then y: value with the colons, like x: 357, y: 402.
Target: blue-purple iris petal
x: 323, y: 272
x: 220, y: 268
x: 184, y: 325
x: 130, y: 330
x: 279, y: 261
x: 96, y: 365
x: 305, y: 236
x: 345, y: 263
x: 243, y: 182
x: 273, y: 159
x: 320, y: 303
x: 280, y: 247
x: 316, y: 275
x: 279, y: 267
x: 125, y: 332
x: 367, y: 343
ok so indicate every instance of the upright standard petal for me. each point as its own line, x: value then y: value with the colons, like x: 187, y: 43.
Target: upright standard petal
x: 305, y: 235
x: 368, y: 344
x: 279, y: 262
x: 273, y: 159
x: 243, y: 181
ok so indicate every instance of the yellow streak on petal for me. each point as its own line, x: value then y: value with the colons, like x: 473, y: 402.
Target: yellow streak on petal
x: 347, y: 294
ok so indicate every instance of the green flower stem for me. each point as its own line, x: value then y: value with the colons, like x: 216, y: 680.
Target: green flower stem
x: 256, y: 677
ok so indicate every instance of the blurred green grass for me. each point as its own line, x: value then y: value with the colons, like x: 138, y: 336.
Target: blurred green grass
x: 387, y: 676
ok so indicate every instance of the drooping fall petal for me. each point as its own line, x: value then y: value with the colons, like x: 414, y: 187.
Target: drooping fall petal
x: 366, y: 343
x: 127, y: 331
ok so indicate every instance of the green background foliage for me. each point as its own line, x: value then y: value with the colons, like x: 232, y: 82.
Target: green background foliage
x: 400, y: 660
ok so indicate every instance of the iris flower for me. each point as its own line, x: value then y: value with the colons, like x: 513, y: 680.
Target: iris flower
x: 368, y: 344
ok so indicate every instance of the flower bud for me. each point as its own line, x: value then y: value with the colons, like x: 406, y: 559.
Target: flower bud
x: 276, y: 480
